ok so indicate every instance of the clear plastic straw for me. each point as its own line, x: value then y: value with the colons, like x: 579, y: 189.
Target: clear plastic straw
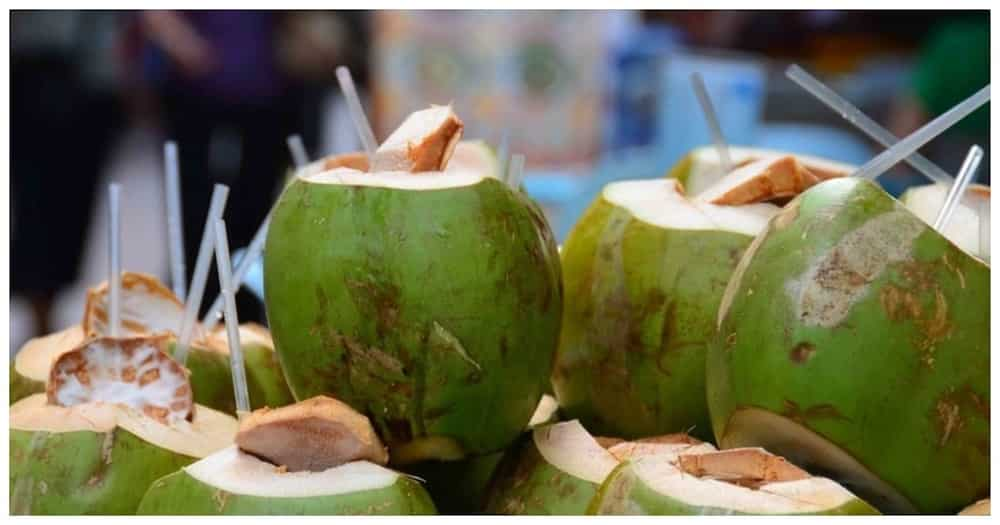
x: 701, y: 92
x: 516, y: 171
x: 965, y: 175
x: 361, y: 124
x: 503, y: 155
x: 201, y: 268
x: 298, y: 149
x: 175, y: 224
x: 114, y: 260
x: 251, y: 255
x: 984, y: 229
x: 871, y: 128
x: 236, y: 363
x: 906, y: 147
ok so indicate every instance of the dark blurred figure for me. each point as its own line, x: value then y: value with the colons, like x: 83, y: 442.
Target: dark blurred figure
x: 65, y: 116
x: 233, y: 86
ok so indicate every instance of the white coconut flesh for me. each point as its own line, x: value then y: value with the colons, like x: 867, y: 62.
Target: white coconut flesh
x: 147, y: 307
x: 423, y: 181
x: 748, y: 480
x: 760, y: 181
x: 670, y: 445
x: 425, y: 141
x: 34, y: 360
x: 963, y: 227
x: 208, y: 432
x: 312, y: 435
x: 136, y: 372
x: 469, y: 156
x: 979, y: 508
x: 662, y: 203
x: 240, y: 473
x: 706, y: 166
x: 546, y: 408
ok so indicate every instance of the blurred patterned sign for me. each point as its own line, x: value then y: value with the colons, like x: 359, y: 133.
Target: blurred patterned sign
x: 539, y: 76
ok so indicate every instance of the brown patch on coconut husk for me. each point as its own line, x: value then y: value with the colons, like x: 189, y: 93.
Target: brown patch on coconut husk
x: 425, y: 141
x: 762, y: 181
x: 311, y: 435
x: 746, y: 467
x: 136, y: 372
x: 95, y: 313
x: 355, y: 160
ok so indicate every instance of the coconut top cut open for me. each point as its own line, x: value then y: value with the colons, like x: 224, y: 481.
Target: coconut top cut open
x: 979, y: 508
x: 963, y: 227
x: 760, y: 181
x: 312, y: 435
x: 250, y: 334
x: 35, y: 358
x: 147, y: 307
x: 424, y: 141
x: 744, y: 480
x: 207, y: 433
x: 136, y: 372
x: 468, y: 155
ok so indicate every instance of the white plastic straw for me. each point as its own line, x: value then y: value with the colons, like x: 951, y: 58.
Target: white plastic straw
x: 251, y: 255
x: 175, y: 229
x: 298, y: 149
x: 906, y: 147
x: 701, y: 92
x: 855, y: 116
x: 232, y: 322
x: 503, y: 155
x: 114, y: 260
x: 361, y: 124
x: 516, y: 171
x: 984, y: 229
x: 965, y: 176
x: 201, y: 267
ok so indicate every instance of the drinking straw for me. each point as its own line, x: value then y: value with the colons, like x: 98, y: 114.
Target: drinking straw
x: 965, y: 176
x: 503, y: 155
x: 249, y: 257
x: 701, y: 93
x: 516, y: 171
x: 114, y: 259
x: 906, y: 147
x: 361, y: 124
x: 868, y: 126
x: 298, y: 149
x: 175, y: 231
x: 201, y: 267
x: 236, y: 363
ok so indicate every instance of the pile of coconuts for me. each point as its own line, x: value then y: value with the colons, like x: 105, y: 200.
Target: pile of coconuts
x: 776, y: 339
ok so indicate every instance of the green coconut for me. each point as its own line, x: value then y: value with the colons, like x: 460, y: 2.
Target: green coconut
x: 149, y: 307
x: 853, y: 340
x: 317, y: 457
x: 428, y: 301
x: 702, y: 167
x: 963, y: 227
x: 557, y: 468
x: 460, y: 487
x: 736, y: 481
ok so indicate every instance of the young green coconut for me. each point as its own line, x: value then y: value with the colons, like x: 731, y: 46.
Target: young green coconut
x: 853, y: 339
x: 148, y: 308
x: 429, y: 301
x: 735, y: 481
x: 316, y: 457
x: 963, y: 228
x: 644, y: 273
x: 557, y: 468
x: 118, y: 414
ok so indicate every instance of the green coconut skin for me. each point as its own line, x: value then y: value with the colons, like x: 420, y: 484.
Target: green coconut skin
x: 625, y: 493
x: 22, y: 386
x: 526, y: 484
x: 900, y: 381
x: 640, y: 310
x: 436, y: 313
x: 84, y: 472
x: 212, y: 382
x: 181, y: 494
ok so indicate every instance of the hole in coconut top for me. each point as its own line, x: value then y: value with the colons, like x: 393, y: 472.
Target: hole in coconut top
x: 312, y: 435
x: 746, y: 467
x: 136, y: 372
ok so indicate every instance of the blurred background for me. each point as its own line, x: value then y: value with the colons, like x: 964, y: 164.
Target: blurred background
x: 588, y: 97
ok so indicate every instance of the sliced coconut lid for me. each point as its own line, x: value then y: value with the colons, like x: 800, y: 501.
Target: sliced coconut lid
x: 424, y: 141
x: 760, y: 181
x: 661, y: 202
x: 136, y: 372
x: 979, y: 508
x: 747, y: 480
x: 209, y: 432
x: 147, y: 307
x: 668, y: 445
x: 570, y: 448
x: 469, y: 155
x: 239, y: 473
x: 34, y: 359
x: 430, y: 180
x: 706, y: 167
x: 963, y: 227
x: 311, y: 435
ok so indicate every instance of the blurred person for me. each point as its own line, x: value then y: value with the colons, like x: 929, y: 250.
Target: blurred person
x: 233, y: 85
x: 65, y: 115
